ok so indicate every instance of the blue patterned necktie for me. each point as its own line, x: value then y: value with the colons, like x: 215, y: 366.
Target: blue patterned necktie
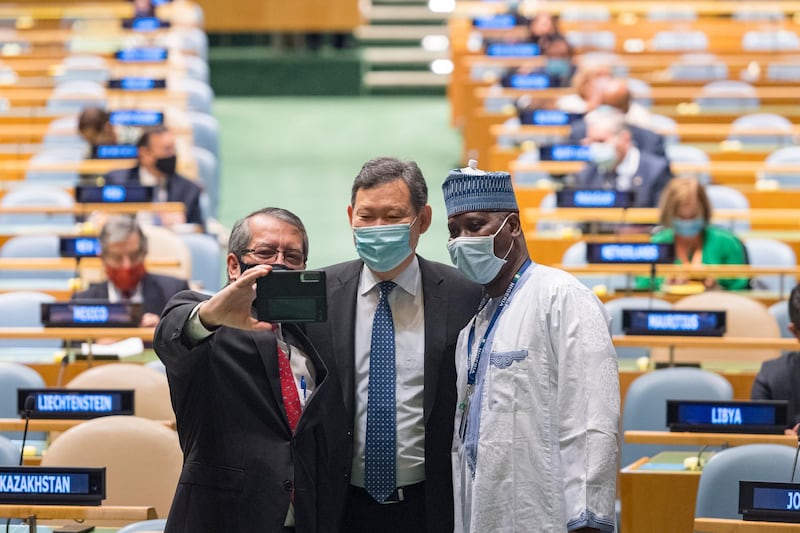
x: 380, y: 455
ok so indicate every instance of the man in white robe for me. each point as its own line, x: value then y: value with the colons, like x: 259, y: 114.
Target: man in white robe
x: 536, y: 439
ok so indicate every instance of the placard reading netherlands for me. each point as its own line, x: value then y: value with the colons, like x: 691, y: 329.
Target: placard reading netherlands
x: 76, y: 404
x: 52, y: 485
x: 630, y: 253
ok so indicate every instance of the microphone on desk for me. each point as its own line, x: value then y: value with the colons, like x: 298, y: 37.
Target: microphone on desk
x: 30, y: 401
x: 794, y: 465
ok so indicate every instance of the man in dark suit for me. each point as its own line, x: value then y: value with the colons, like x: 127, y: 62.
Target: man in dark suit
x: 402, y: 424
x: 156, y: 167
x: 259, y: 411
x: 618, y: 164
x: 779, y: 379
x: 124, y: 248
x: 615, y: 93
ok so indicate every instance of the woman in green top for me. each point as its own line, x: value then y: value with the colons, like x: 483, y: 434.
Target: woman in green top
x: 685, y: 216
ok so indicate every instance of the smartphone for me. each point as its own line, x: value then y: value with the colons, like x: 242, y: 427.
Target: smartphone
x: 292, y: 296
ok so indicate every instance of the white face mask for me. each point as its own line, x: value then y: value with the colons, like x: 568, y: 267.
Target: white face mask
x: 474, y: 256
x: 604, y: 155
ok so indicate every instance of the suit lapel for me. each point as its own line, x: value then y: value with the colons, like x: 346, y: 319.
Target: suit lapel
x: 343, y: 295
x: 434, y: 297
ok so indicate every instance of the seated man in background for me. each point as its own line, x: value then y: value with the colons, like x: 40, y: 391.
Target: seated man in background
x: 558, y: 67
x: 124, y: 248
x: 779, y: 379
x: 617, y: 164
x: 94, y: 126
x: 615, y: 93
x: 686, y: 221
x: 157, y: 167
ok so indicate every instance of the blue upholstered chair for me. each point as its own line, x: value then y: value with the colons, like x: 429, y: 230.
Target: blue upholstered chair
x: 718, y: 490
x: 646, y: 402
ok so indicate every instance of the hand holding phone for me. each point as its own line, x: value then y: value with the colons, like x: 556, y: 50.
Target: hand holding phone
x: 292, y: 296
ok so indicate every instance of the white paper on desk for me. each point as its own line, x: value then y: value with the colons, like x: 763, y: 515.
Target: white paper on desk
x: 124, y: 348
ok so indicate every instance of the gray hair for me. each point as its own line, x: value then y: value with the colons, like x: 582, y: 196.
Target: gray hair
x: 120, y: 227
x: 608, y: 118
x: 241, y: 236
x: 384, y: 170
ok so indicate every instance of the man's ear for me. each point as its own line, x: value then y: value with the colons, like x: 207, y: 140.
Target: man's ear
x: 233, y: 267
x: 514, y: 224
x: 794, y: 330
x: 425, y: 218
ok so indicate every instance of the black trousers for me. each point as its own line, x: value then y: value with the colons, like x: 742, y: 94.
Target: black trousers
x: 364, y: 515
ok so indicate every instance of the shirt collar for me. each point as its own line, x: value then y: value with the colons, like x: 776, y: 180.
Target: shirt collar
x: 148, y: 179
x: 630, y: 163
x: 115, y: 296
x: 408, y: 279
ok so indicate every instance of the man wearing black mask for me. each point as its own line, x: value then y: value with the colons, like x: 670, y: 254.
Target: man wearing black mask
x: 157, y: 167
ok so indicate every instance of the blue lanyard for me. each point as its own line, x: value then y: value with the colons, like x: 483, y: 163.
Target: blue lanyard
x: 473, y: 368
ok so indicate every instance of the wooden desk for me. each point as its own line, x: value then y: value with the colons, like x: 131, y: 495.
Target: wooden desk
x: 76, y: 334
x: 657, y: 501
x: 706, y: 439
x: 727, y: 525
x: 78, y: 512
x: 467, y: 8
x: 36, y: 424
x: 707, y: 349
x: 26, y: 97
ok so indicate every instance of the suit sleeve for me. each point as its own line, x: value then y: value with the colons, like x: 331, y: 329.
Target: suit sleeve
x: 661, y: 181
x: 762, y: 390
x: 172, y: 347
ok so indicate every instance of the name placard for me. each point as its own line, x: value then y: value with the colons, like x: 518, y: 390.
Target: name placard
x: 564, y: 152
x: 530, y: 81
x: 75, y: 404
x: 769, y: 501
x: 113, y: 194
x: 145, y: 24
x: 137, y: 83
x: 36, y: 485
x: 757, y: 416
x: 594, y: 198
x: 79, y: 247
x: 115, y: 151
x: 136, y: 117
x: 502, y: 21
x: 672, y: 322
x: 547, y: 117
x: 512, y: 50
x: 146, y: 54
x: 95, y: 313
x: 630, y: 252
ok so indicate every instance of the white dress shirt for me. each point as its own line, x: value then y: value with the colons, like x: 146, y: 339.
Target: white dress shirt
x: 626, y: 170
x: 406, y: 303
x: 114, y: 295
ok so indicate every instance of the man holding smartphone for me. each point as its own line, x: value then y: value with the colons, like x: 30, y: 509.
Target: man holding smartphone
x: 259, y: 411
x: 393, y: 321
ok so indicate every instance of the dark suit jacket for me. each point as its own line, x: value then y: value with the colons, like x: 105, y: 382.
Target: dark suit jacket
x: 650, y: 179
x: 241, y: 460
x: 779, y: 379
x: 156, y: 291
x: 450, y: 301
x: 645, y: 140
x: 179, y: 189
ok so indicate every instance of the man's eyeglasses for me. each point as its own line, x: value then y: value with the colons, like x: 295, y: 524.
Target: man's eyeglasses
x: 266, y: 254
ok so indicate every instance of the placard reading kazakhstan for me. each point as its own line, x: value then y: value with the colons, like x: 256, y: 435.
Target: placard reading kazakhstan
x: 45, y: 483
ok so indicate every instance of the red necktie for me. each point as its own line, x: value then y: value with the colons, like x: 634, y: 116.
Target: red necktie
x: 291, y: 400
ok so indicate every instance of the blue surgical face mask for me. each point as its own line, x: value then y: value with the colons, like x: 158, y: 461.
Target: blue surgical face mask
x: 557, y: 67
x: 688, y: 228
x: 383, y: 248
x: 474, y: 256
